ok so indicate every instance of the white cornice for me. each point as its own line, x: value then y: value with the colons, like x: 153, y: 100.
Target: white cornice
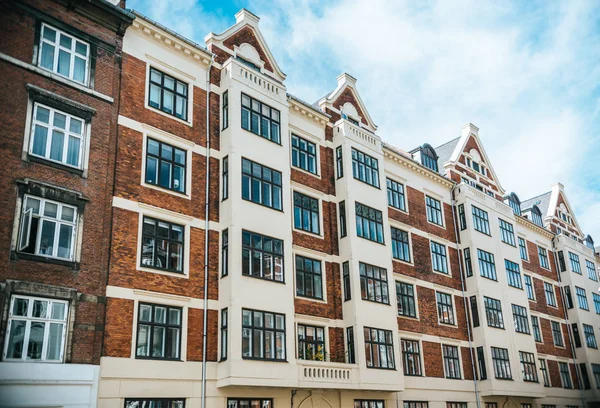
x: 531, y: 225
x: 416, y: 168
x: 309, y: 113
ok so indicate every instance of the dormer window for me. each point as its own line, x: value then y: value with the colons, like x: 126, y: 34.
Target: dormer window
x: 536, y: 216
x: 515, y: 203
x: 589, y: 242
x: 349, y: 119
x: 429, y: 157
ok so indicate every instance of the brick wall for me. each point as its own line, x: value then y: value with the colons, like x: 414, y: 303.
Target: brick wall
x: 432, y: 359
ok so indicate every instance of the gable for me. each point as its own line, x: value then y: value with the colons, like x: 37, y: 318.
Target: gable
x: 246, y: 36
x: 347, y: 96
x: 559, y: 204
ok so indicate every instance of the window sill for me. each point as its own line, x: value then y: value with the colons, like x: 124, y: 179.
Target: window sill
x: 166, y: 190
x: 35, y: 159
x: 264, y: 279
x: 309, y: 233
x: 268, y: 360
x: 44, y: 259
x: 311, y: 299
x: 168, y: 115
x: 162, y: 272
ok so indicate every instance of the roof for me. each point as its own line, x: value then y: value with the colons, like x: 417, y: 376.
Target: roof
x: 542, y: 201
x: 312, y: 106
x: 444, y: 153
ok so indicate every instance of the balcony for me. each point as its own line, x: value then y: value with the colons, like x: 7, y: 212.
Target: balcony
x: 358, y: 134
x: 327, y: 375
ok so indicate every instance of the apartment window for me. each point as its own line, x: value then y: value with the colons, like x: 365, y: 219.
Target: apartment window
x: 36, y: 329
x: 565, y: 375
x: 576, y: 338
x: 474, y: 311
x: 311, y: 343
x: 411, y: 357
x: 165, y: 166
x: 581, y: 298
x: 513, y: 274
x: 536, y: 216
x: 591, y: 270
x: 168, y: 94
x: 439, y: 260
x: 309, y: 281
x: 339, y: 162
x: 544, y: 371
x: 537, y: 333
x: 48, y: 228
x: 557, y: 336
x: 406, y: 299
x: 590, y: 336
x: 596, y: 372
x: 520, y: 319
x: 368, y: 404
x: 246, y: 403
x: 365, y: 168
x: 434, y: 211
x: 416, y: 404
x: 261, y: 184
x: 158, y: 332
x: 369, y: 223
x: 529, y: 287
x: 528, y: 369
x: 451, y: 362
x: 481, y: 222
x: 400, y: 245
x: 462, y: 219
x: 263, y: 335
x: 262, y: 256
x: 456, y: 405
x: 481, y: 363
x: 225, y: 109
x: 304, y: 154
x: 543, y: 255
x: 501, y: 363
x: 395, y: 193
x: 343, y: 232
x: 373, y: 283
x: 260, y: 119
x: 225, y: 253
x: 575, y: 265
x: 225, y: 177
x: 493, y: 312
x: 350, y: 345
x: 568, y: 298
x: 429, y: 159
x: 523, y: 249
x: 561, y: 260
x: 346, y: 281
x: 550, y: 296
x: 379, y: 348
x: 584, y: 376
x: 64, y: 54
x: 162, y: 245
x: 306, y: 213
x: 445, y: 308
x: 468, y: 264
x: 224, y: 331
x: 596, y: 298
x: 156, y: 403
x: 507, y: 233
x: 487, y: 266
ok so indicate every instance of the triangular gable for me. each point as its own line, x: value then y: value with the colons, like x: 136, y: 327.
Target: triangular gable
x: 557, y: 198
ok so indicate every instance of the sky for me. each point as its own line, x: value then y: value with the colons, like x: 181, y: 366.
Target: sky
x: 526, y: 73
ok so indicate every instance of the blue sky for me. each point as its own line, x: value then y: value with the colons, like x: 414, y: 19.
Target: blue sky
x: 526, y: 73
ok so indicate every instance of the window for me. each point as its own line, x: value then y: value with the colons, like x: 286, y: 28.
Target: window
x: 590, y: 336
x: 557, y: 336
x: 481, y: 222
x: 162, y: 245
x: 365, y: 168
x: 536, y: 216
x: 468, y: 264
x: 568, y: 298
x: 434, y: 211
x: 158, y: 332
x: 501, y: 363
x: 225, y: 192
x: 523, y: 249
x: 544, y: 371
x: 400, y: 245
x: 373, y: 283
x: 224, y: 322
x: 481, y: 363
x: 308, y: 277
x: 444, y: 307
x: 48, y: 228
x: 596, y: 298
x: 346, y: 281
x: 439, y: 260
x: 584, y: 376
x: 456, y: 405
x: 395, y: 193
x: 304, y: 154
x: 342, y: 219
x: 520, y: 319
x: 514, y: 203
x: 168, y: 94
x: 339, y: 162
x: 368, y: 404
x: 369, y: 223
x: 411, y: 357
x: 36, y: 329
x: 156, y: 403
x: 565, y: 375
x: 537, y: 333
x: 576, y: 337
x: 416, y: 404
x: 165, y: 166
x: 260, y: 119
x: 575, y: 265
x: 513, y: 274
x: 350, y: 345
x: 487, y: 266
x: 451, y: 362
x: 306, y: 213
x: 507, y: 233
x: 581, y: 298
x: 311, y: 343
x: 474, y: 311
x: 225, y: 252
x: 561, y: 261
x: 262, y: 256
x: 591, y: 270
x: 528, y: 369
x: 379, y: 348
x: 493, y: 312
x: 596, y: 372
x: 529, y: 287
x: 429, y: 158
x: 64, y: 54
x: 549, y: 292
x: 261, y: 184
x: 406, y: 299
x: 462, y: 219
x: 246, y: 403
x: 225, y: 109
x: 543, y: 258
x: 263, y: 335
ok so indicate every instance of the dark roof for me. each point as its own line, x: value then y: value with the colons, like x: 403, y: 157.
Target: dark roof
x: 542, y: 201
x: 444, y: 153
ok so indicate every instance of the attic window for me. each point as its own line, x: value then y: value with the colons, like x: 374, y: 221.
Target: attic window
x: 514, y: 203
x: 536, y: 216
x: 248, y: 63
x: 429, y: 157
x: 589, y: 242
x: 349, y: 119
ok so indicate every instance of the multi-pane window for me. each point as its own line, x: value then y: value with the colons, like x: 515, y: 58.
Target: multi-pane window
x: 311, y: 343
x: 591, y: 270
x: 439, y: 259
x: 225, y: 109
x: 487, y: 266
x: 481, y: 363
x: 165, y: 166
x: 474, y: 311
x: 346, y: 281
x: 550, y: 296
x: 306, y: 213
x: 561, y: 261
x: 64, y: 54
x: 565, y: 375
x: 596, y: 372
x: 162, y: 245
x: 365, y: 168
x: 543, y: 255
x: 406, y: 299
x: 428, y: 160
x: 468, y: 263
x: 507, y: 233
x: 379, y: 348
x: 225, y: 252
x: 513, y: 274
x: 434, y: 211
x: 368, y: 404
x: 444, y: 308
x: 400, y: 245
x: 168, y: 94
x: 529, y: 287
x: 369, y: 223
x: 590, y: 336
x: 339, y: 162
x: 309, y: 280
x: 224, y: 333
x: 416, y: 404
x: 462, y: 218
x: 523, y: 249
x: 158, y: 332
x: 581, y: 298
x: 596, y: 298
x: 528, y: 369
x: 544, y: 371
x: 225, y: 178
x: 456, y: 405
x: 411, y: 357
x: 451, y: 362
x: 501, y: 363
x: 262, y: 256
x: 481, y: 221
x: 263, y: 335
x: 304, y: 154
x: 520, y: 319
x: 395, y: 194
x: 48, y: 228
x: 242, y: 403
x: 493, y: 312
x: 261, y: 184
x: 350, y: 345
x: 156, y: 403
x: 557, y: 336
x: 343, y: 231
x: 260, y: 119
x: 36, y: 329
x: 568, y: 297
x: 537, y: 333
x: 575, y: 265
x: 373, y: 283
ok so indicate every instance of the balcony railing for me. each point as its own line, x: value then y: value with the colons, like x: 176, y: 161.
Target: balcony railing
x: 326, y: 374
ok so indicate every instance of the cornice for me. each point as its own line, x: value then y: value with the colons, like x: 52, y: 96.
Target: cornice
x: 531, y: 225
x: 417, y: 168
x: 300, y: 108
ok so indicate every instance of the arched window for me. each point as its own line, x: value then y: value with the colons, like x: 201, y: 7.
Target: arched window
x: 429, y: 157
x: 589, y: 242
x: 536, y: 216
x: 515, y: 203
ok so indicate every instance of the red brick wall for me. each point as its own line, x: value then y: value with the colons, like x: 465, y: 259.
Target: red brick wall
x: 329, y: 242
x: 336, y: 345
x: 533, y: 263
x: 119, y: 327
x: 333, y: 308
x: 466, y: 362
x: 548, y: 347
x: 540, y: 305
x: 195, y: 339
x: 348, y: 96
x: 554, y: 374
x: 246, y: 35
x: 432, y: 359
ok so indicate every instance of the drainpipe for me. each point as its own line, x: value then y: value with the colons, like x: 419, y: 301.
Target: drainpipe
x: 206, y: 208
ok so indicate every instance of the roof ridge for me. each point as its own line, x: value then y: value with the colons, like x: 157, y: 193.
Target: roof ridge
x: 448, y: 142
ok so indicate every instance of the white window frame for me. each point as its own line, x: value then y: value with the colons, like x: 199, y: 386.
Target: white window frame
x: 448, y: 260
x: 177, y: 74
x: 455, y: 317
x: 436, y: 198
x: 298, y: 188
x: 58, y: 47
